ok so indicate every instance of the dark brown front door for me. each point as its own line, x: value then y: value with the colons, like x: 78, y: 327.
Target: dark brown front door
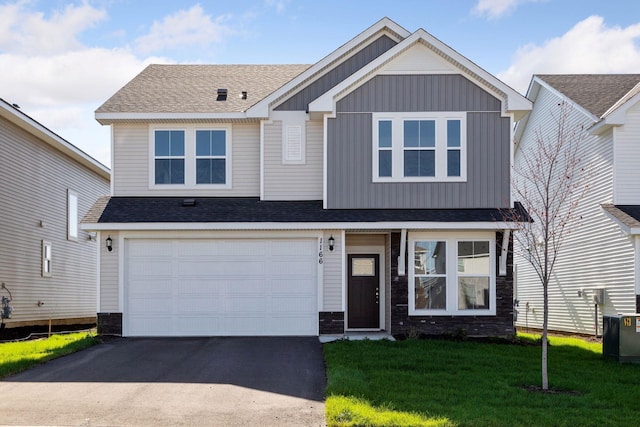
x: 363, y: 296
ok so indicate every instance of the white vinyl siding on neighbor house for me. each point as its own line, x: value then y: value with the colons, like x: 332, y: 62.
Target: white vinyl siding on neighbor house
x: 284, y: 181
x: 594, y: 255
x: 627, y: 159
x: 34, y: 206
x: 131, y: 163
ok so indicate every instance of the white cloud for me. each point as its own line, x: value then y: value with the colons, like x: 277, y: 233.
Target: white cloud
x: 184, y: 28
x: 278, y: 5
x: 57, y: 80
x: 493, y: 9
x: 589, y: 47
x: 27, y: 32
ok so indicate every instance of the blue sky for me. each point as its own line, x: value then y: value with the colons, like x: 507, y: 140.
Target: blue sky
x: 60, y: 60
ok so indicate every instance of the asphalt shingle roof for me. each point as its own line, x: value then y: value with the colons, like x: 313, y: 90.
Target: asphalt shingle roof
x: 594, y: 92
x: 628, y: 215
x: 193, y: 88
x: 239, y: 210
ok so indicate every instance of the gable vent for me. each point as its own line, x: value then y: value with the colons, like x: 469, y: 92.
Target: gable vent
x: 222, y: 95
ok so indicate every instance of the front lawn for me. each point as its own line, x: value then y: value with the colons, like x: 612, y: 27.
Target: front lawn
x: 19, y: 356
x: 447, y: 383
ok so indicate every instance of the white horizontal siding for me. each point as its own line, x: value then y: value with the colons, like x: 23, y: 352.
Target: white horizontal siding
x: 293, y: 181
x: 109, y: 275
x: 332, y: 273
x: 627, y: 159
x: 131, y: 163
x: 418, y: 59
x: 595, y: 254
x: 35, y: 178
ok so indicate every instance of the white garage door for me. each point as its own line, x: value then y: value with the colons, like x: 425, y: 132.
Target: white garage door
x: 220, y: 287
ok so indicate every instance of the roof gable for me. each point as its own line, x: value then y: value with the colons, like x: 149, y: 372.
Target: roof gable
x: 441, y: 55
x: 383, y: 27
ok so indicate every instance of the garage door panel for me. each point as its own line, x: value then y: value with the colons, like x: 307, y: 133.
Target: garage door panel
x: 150, y: 267
x: 284, y: 305
x: 291, y: 286
x: 197, y: 305
x: 152, y: 325
x: 221, y: 287
x: 150, y: 288
x: 140, y: 248
x: 192, y: 325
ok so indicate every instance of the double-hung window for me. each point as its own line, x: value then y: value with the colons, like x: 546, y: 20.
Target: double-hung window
x: 191, y: 157
x: 415, y: 147
x: 211, y: 156
x: 452, y: 274
x: 169, y: 156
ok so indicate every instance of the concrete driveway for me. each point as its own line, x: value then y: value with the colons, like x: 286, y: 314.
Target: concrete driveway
x: 172, y: 382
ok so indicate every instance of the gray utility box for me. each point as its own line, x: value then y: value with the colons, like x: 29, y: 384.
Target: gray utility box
x: 621, y: 338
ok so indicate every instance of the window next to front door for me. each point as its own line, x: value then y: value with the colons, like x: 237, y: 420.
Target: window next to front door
x: 452, y: 274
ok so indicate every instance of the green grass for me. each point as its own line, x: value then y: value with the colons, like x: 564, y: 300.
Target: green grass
x: 447, y: 383
x: 19, y: 356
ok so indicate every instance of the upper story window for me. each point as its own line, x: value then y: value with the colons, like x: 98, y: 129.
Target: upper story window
x: 169, y: 156
x: 451, y: 276
x: 416, y: 147
x: 211, y: 156
x: 191, y: 157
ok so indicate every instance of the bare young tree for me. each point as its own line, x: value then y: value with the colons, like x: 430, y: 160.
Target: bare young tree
x: 549, y: 181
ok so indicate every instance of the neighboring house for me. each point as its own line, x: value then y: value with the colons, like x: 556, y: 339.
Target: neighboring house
x: 47, y: 263
x: 361, y: 193
x: 602, y: 250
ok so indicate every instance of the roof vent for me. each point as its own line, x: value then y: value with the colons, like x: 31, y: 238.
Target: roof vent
x: 244, y: 94
x: 222, y: 95
x: 189, y: 202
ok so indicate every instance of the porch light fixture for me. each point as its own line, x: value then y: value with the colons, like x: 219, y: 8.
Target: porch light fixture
x: 332, y: 243
x: 109, y: 243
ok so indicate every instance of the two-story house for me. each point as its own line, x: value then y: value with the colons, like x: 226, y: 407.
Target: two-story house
x: 596, y: 272
x: 48, y: 265
x: 361, y: 193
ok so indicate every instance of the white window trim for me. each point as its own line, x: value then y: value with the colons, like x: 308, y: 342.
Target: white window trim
x: 190, y: 158
x: 72, y: 215
x: 441, y: 149
x: 452, y: 295
x: 46, y: 262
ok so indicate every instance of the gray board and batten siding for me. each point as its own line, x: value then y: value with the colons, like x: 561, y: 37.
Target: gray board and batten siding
x: 301, y: 99
x: 349, y: 146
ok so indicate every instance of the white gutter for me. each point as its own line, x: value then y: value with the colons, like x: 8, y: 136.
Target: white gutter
x: 115, y: 226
